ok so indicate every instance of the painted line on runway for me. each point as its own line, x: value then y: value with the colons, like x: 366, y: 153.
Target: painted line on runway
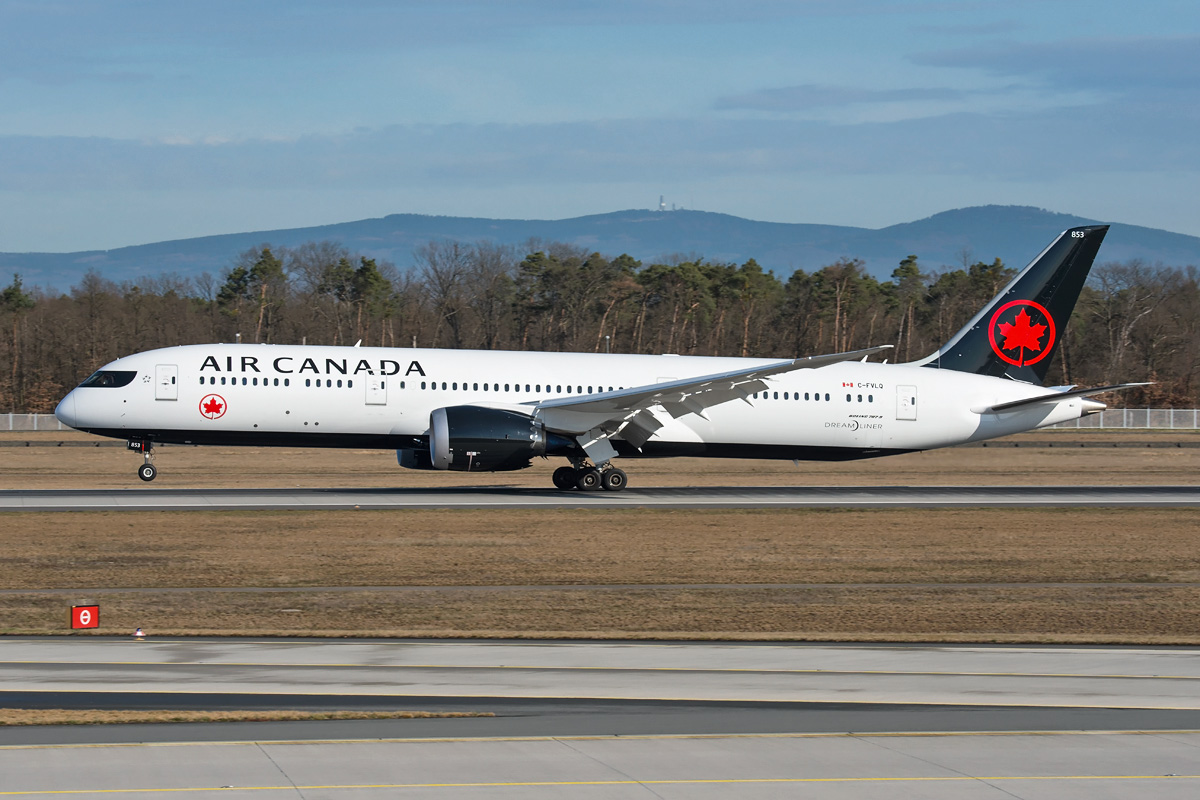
x: 72, y: 640
x: 965, y: 703
x: 647, y: 782
x: 601, y: 738
x: 568, y: 668
x: 665, y: 497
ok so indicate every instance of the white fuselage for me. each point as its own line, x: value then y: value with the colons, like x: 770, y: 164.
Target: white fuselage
x: 382, y: 397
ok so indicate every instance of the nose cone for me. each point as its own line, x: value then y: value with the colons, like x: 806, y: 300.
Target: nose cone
x: 66, y: 410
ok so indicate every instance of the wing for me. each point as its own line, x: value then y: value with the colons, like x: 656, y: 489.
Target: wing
x: 592, y: 419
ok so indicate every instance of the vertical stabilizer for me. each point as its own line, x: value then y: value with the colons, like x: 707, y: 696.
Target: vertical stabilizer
x: 1017, y: 333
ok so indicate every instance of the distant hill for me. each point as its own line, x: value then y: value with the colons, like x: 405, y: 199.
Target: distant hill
x: 1015, y: 234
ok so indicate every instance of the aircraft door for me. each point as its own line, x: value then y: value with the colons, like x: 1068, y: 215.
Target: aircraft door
x: 376, y: 390
x: 166, y: 382
x: 906, y: 402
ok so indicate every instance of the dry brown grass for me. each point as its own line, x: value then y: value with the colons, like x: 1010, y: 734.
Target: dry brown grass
x: 69, y: 716
x: 232, y: 549
x: 943, y: 574
x: 1078, y: 575
x: 113, y: 467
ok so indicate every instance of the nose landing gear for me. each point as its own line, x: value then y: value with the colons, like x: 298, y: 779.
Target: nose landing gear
x: 587, y: 478
x: 146, y: 471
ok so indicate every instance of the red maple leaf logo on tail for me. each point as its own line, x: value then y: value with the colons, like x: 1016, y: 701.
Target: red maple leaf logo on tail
x: 1032, y: 342
x: 1022, y: 334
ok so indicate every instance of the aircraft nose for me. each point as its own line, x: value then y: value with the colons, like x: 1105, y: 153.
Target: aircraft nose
x: 66, y: 410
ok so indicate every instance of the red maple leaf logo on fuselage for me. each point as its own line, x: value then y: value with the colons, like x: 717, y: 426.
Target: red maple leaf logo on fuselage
x: 213, y: 406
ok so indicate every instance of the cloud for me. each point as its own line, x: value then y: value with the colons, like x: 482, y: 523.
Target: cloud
x: 1110, y: 65
x: 809, y: 96
x: 1046, y: 144
x: 981, y: 29
x: 57, y: 42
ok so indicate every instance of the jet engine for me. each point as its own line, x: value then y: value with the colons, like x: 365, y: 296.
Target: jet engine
x: 475, y: 439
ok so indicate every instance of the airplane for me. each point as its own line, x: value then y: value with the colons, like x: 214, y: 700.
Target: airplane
x: 490, y: 411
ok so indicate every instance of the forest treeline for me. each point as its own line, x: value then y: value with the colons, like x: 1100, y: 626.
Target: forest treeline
x: 1134, y: 321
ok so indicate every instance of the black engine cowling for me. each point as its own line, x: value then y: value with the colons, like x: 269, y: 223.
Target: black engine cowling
x: 474, y: 439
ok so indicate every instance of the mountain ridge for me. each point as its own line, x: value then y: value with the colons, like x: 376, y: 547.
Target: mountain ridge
x: 1015, y: 234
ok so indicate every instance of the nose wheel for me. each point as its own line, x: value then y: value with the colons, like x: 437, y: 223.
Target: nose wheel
x: 146, y: 471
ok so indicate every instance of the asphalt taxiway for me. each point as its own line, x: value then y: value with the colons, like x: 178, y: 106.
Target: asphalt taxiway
x: 610, y: 719
x: 146, y: 499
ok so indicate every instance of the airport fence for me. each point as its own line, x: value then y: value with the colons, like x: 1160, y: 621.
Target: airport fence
x: 1112, y: 418
x: 31, y: 422
x: 1158, y: 418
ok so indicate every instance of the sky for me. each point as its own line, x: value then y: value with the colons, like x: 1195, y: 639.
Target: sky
x: 125, y: 122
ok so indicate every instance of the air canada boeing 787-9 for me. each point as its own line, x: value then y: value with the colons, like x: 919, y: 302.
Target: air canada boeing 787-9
x: 486, y: 411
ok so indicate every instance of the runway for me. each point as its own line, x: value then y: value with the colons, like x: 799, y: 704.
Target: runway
x: 495, y: 497
x: 878, y: 674
x: 612, y: 719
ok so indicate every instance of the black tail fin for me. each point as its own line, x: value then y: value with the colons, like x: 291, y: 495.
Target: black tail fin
x: 1016, y: 334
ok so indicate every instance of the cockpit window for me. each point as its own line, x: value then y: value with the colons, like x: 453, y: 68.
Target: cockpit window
x: 110, y: 378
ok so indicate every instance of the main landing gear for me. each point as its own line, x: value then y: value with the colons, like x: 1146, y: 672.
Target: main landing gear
x: 587, y: 478
x: 146, y: 471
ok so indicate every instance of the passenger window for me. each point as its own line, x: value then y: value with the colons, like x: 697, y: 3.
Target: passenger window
x: 847, y: 398
x: 776, y: 396
x: 477, y: 387
x: 806, y: 395
x: 506, y: 387
x: 589, y: 391
x: 308, y: 381
x: 870, y: 398
x: 422, y: 384
x: 256, y: 381
x: 860, y: 398
x: 339, y: 383
x: 454, y: 386
x: 287, y: 381
x: 527, y: 387
x: 785, y: 395
x: 827, y: 396
x: 222, y: 380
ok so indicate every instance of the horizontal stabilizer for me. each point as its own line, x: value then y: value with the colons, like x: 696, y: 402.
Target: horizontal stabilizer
x: 1054, y: 397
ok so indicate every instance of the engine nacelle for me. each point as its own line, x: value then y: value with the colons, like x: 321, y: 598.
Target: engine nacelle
x: 414, y: 459
x: 474, y: 439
